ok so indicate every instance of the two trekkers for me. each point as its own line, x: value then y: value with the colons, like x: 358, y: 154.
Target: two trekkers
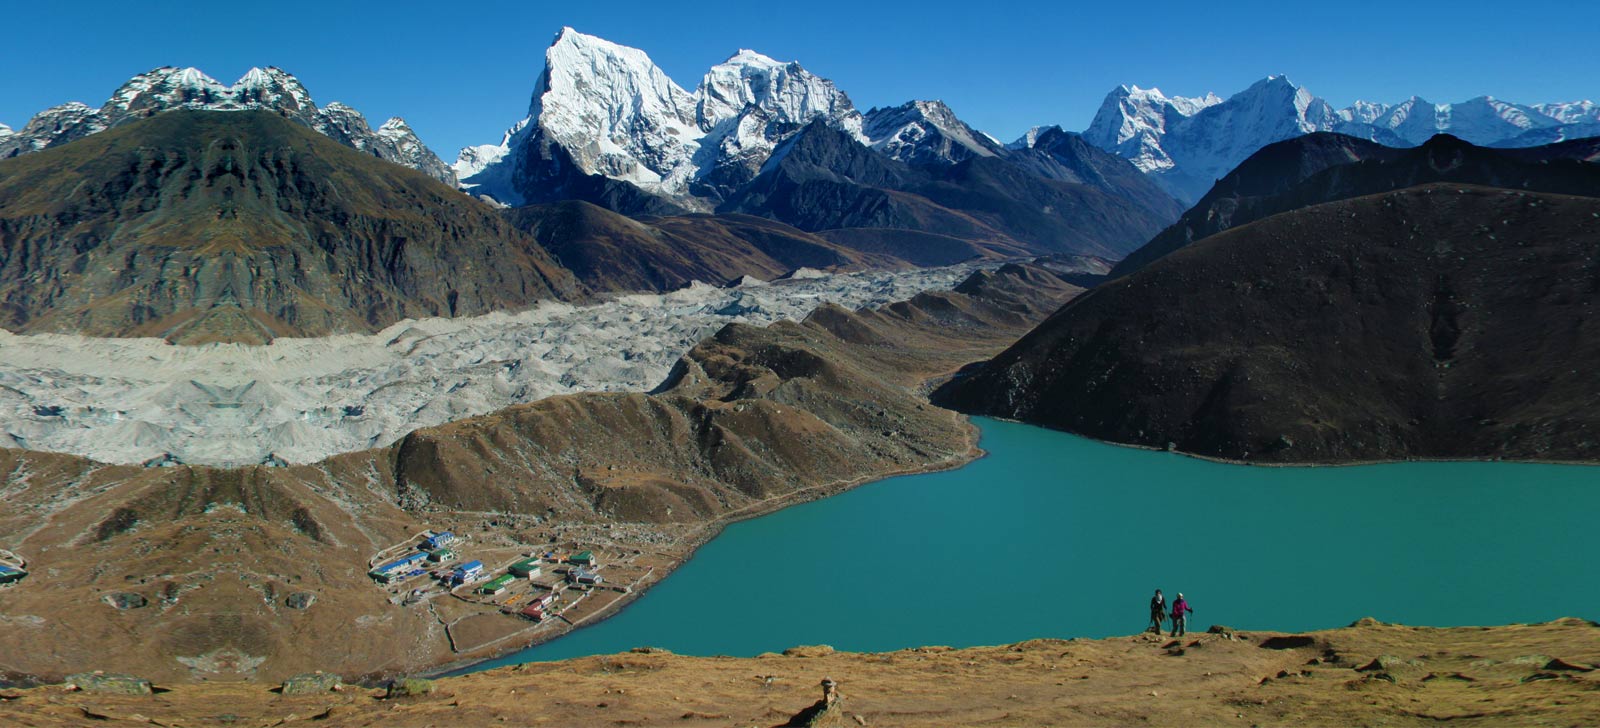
x: 1158, y: 612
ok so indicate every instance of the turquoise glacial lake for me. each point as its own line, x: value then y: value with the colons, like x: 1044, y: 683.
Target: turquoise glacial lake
x: 1053, y: 535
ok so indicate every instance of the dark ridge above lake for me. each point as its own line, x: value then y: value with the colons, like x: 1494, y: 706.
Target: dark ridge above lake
x: 1325, y: 167
x: 1439, y: 321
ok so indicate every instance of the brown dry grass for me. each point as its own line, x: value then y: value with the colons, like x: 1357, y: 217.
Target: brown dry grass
x: 1463, y: 676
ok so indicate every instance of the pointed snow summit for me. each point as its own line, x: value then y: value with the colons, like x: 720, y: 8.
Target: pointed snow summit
x: 926, y: 132
x: 169, y: 88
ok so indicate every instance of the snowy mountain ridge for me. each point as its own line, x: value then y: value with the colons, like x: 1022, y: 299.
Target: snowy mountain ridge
x: 922, y: 132
x: 616, y: 114
x: 169, y: 88
x: 1187, y: 143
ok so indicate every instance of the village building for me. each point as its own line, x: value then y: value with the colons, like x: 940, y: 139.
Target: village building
x: 527, y: 568
x: 470, y: 571
x: 497, y: 585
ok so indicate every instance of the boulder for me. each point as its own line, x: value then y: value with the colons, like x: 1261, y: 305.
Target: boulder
x: 126, y: 600
x: 809, y: 651
x: 300, y: 600
x: 1287, y: 642
x: 311, y: 683
x: 109, y: 684
x: 409, y: 688
x: 1557, y: 663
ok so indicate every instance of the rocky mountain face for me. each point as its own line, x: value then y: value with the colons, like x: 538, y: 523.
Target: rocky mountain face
x: 242, y: 226
x: 271, y: 89
x: 1426, y: 302
x: 1323, y: 167
x: 1187, y: 143
x: 770, y: 139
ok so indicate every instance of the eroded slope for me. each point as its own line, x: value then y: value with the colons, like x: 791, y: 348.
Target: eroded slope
x: 185, y: 573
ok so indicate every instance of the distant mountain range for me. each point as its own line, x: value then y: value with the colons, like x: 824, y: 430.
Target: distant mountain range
x: 768, y: 138
x: 272, y: 89
x: 629, y: 181
x: 1186, y: 144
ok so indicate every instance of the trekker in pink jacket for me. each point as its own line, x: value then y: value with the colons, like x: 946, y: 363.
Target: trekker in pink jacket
x: 1180, y: 610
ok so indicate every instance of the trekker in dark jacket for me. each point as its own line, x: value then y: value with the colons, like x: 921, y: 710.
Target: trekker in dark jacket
x: 1180, y: 610
x: 1158, y: 612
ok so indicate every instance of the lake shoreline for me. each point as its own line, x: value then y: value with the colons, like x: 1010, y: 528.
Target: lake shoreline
x: 703, y: 535
x: 1259, y: 464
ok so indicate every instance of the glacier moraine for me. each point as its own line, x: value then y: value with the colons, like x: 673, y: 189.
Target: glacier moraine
x: 301, y: 400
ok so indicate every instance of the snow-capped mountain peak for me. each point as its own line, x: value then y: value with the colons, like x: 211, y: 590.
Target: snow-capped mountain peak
x: 1187, y: 143
x: 615, y: 111
x: 615, y: 114
x: 926, y: 132
x: 788, y: 92
x: 271, y: 89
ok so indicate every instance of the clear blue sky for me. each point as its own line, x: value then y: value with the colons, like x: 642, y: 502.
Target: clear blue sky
x: 461, y: 70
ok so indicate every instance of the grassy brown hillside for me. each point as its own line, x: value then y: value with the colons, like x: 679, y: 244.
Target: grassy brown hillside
x: 189, y: 573
x: 1367, y: 674
x: 1440, y: 321
x: 242, y: 226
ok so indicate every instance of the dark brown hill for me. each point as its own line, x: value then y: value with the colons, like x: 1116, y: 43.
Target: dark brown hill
x: 611, y: 252
x: 1441, y: 321
x: 1324, y: 167
x: 242, y: 226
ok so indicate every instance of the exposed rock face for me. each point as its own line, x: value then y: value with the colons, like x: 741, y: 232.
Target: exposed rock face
x: 1442, y: 321
x: 392, y: 142
x: 241, y: 226
x: 271, y: 89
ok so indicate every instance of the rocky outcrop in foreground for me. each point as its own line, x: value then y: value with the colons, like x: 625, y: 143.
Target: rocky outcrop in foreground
x: 1367, y: 674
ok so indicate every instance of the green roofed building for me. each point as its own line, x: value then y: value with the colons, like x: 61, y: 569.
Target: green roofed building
x: 585, y: 558
x: 526, y: 568
x: 497, y: 584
